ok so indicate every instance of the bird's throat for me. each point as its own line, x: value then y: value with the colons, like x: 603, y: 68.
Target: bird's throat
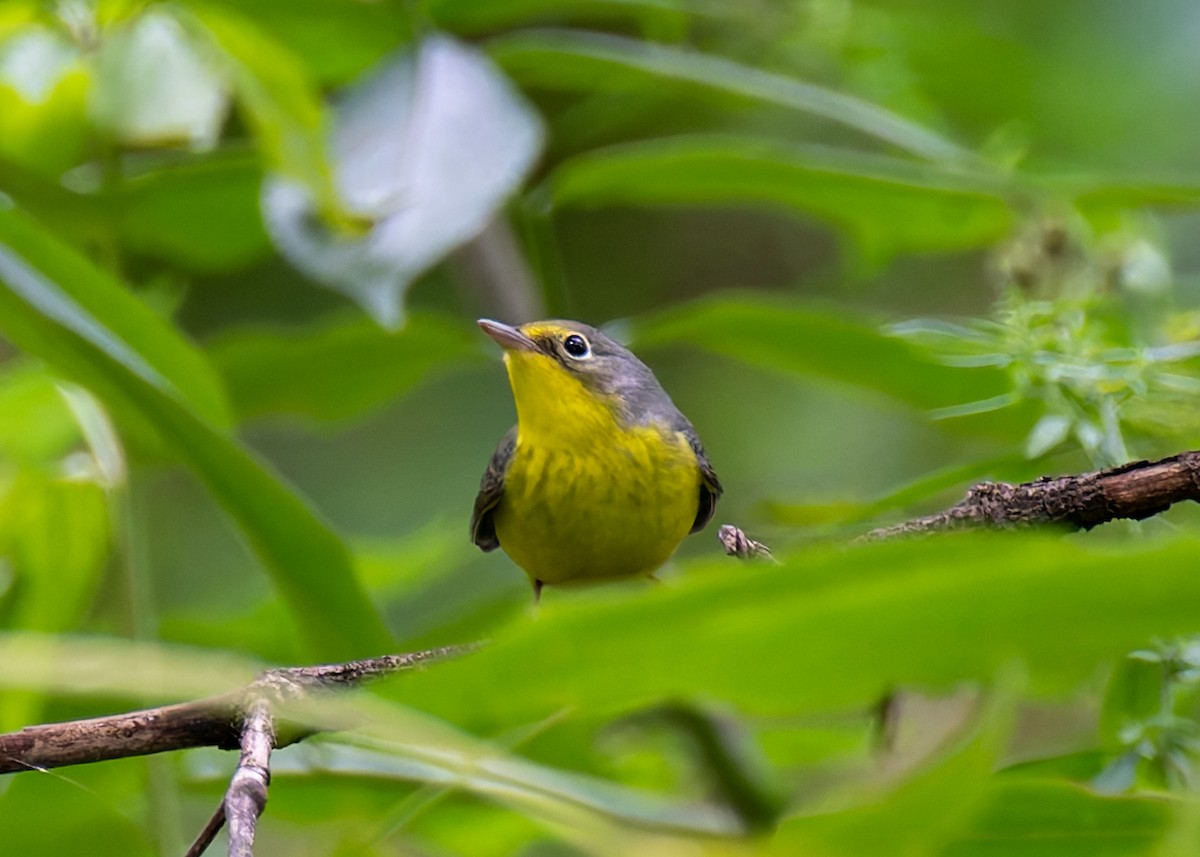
x: 554, y: 408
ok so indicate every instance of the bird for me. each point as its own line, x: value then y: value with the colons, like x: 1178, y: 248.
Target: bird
x: 602, y: 477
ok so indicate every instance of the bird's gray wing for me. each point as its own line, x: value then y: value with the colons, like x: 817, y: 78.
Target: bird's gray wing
x: 491, y: 487
x: 710, y: 485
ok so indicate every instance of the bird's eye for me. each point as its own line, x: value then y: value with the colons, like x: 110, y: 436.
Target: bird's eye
x: 576, y: 346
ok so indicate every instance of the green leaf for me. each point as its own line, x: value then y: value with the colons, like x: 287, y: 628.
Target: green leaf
x: 53, y: 303
x: 446, y: 757
x: 338, y: 370
x: 460, y: 825
x: 44, y: 82
x: 818, y: 342
x: 1136, y: 694
x: 1049, y: 432
x: 54, y: 538
x: 202, y: 215
x: 426, y: 150
x: 54, y: 546
x: 1055, y: 819
x: 470, y: 16
x: 925, y: 810
x: 115, y: 668
x: 338, y: 41
x: 36, y: 426
x: 86, y: 821
x: 589, y: 61
x: 884, y: 205
x: 413, y: 563
x: 52, y: 287
x: 828, y: 630
x: 78, y: 217
x: 1106, y: 197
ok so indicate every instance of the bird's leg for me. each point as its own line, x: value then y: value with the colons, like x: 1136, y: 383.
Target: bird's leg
x: 537, y: 591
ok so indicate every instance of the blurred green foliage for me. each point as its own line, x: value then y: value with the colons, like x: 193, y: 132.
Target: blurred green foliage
x: 876, y: 251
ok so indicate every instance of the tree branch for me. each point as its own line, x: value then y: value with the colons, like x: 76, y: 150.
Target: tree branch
x: 1136, y: 490
x: 247, y: 795
x: 216, y: 722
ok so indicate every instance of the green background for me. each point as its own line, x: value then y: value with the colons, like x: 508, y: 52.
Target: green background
x: 875, y: 251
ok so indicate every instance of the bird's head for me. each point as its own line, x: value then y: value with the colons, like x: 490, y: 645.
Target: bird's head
x: 566, y: 374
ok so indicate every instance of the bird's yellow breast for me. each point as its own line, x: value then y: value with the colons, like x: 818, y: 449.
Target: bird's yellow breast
x: 585, y: 496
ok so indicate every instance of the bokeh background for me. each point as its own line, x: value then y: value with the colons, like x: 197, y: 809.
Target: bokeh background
x: 876, y: 251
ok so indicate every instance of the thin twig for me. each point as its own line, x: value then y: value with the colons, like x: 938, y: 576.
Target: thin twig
x: 209, y: 833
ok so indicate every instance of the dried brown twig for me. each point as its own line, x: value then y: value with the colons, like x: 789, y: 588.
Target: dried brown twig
x: 214, y: 722
x: 1135, y: 491
x: 737, y: 544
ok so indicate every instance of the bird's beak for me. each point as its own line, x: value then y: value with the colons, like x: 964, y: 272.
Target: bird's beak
x: 507, y: 337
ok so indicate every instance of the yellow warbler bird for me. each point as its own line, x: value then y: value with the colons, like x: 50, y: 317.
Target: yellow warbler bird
x: 602, y: 477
